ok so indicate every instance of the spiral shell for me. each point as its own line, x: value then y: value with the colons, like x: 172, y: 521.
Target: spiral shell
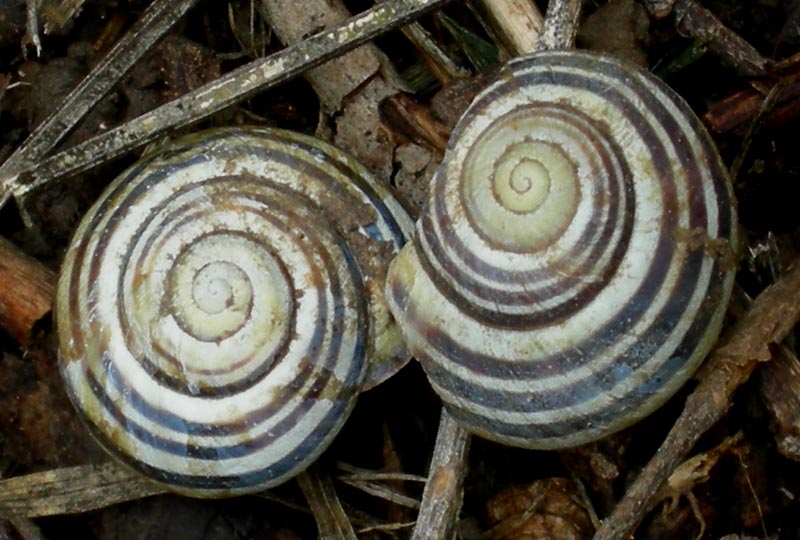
x: 573, y: 262
x: 219, y: 307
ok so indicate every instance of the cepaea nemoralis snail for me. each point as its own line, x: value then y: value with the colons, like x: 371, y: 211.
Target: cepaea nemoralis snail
x: 567, y: 274
x: 221, y: 305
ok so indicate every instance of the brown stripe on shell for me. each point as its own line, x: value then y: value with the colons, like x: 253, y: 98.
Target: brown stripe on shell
x: 435, y: 238
x: 321, y: 387
x: 521, y: 388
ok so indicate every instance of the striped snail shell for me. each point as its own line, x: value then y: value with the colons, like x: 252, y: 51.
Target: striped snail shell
x: 573, y: 263
x: 219, y: 307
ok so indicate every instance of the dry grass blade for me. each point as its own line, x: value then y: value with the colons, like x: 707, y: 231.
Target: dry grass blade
x: 71, y: 490
x: 153, y: 23
x: 367, y: 475
x: 382, y: 492
x: 332, y: 522
x: 211, y: 98
x: 389, y: 527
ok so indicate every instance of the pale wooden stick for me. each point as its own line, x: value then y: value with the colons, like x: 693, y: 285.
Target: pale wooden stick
x: 443, y: 495
x: 332, y: 522
x: 560, y: 25
x: 518, y: 22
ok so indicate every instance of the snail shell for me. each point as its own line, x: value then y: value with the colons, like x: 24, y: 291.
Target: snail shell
x: 220, y: 305
x: 565, y: 276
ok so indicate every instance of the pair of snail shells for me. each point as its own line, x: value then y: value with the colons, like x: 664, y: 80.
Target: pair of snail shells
x: 221, y: 306
x: 572, y: 264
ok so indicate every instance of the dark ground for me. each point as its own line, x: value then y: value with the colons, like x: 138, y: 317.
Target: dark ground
x: 749, y: 488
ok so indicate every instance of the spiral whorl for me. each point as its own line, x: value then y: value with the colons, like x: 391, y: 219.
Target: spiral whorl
x: 565, y: 279
x: 214, y: 320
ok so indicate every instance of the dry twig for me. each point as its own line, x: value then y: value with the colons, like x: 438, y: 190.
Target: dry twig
x: 742, y: 106
x: 332, y: 522
x: 560, y: 25
x: 769, y: 319
x: 26, y: 292
x: 213, y: 97
x: 148, y: 29
x: 695, y: 21
x: 442, y: 66
x: 519, y: 23
x: 443, y: 493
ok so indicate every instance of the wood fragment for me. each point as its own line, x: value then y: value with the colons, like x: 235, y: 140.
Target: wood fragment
x: 518, y: 23
x: 696, y: 22
x: 443, y: 495
x: 755, y: 125
x: 560, y: 25
x: 59, y: 16
x: 26, y: 292
x: 332, y: 522
x: 740, y: 107
x: 336, y: 79
x: 350, y: 87
x: 779, y: 386
x: 32, y: 26
x: 26, y: 528
x: 442, y: 66
x: 72, y: 490
x: 769, y: 319
x: 211, y: 98
x: 415, y: 122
